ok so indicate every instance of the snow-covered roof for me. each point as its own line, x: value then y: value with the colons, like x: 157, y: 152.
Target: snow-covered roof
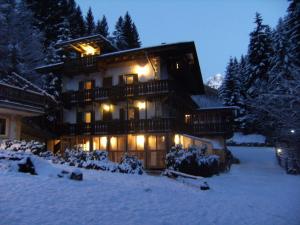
x: 142, y: 49
x: 16, y: 81
x: 207, y: 101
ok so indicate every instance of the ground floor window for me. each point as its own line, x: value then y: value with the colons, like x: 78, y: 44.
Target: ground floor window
x: 84, y: 143
x: 2, y: 126
x: 156, y: 142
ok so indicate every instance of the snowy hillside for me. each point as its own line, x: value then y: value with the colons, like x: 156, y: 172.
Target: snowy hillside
x: 255, y: 192
x: 215, y: 81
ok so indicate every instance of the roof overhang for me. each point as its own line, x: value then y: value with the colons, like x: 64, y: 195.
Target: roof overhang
x: 14, y: 108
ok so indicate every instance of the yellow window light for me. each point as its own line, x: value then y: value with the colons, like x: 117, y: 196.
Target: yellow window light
x: 113, y: 143
x: 177, y: 139
x: 107, y: 107
x: 141, y: 105
x: 140, y: 140
x: 103, y: 143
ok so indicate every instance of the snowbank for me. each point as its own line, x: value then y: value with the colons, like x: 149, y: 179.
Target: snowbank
x: 247, y: 139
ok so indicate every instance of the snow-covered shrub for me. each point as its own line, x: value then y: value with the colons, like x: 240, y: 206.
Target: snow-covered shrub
x: 34, y: 147
x: 130, y: 164
x: 192, y: 161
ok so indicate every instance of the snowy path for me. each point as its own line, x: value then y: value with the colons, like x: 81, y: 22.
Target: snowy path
x: 255, y: 192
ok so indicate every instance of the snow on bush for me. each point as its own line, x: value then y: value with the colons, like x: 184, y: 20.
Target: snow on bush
x: 97, y: 160
x: 130, y: 164
x: 192, y: 161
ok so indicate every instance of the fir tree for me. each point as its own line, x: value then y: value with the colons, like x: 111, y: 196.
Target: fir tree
x: 118, y: 36
x: 229, y: 91
x: 102, y: 27
x: 130, y: 34
x: 89, y: 22
x: 20, y: 41
x: 259, y: 52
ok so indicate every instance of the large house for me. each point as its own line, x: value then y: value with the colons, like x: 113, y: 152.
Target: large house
x: 140, y: 101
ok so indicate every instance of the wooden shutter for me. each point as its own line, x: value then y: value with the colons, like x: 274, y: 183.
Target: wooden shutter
x: 122, y: 114
x: 81, y: 85
x: 107, y: 81
x: 79, y: 117
x: 136, y: 114
x: 93, y: 84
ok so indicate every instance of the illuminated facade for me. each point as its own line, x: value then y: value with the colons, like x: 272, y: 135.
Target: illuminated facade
x: 136, y: 101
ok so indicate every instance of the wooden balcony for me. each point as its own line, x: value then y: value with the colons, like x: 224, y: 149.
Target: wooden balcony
x: 119, y: 92
x: 82, y: 64
x: 18, y: 95
x: 119, y: 127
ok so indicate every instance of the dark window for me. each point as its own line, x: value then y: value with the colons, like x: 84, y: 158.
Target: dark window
x: 107, y: 81
x: 107, y: 115
x: 2, y: 126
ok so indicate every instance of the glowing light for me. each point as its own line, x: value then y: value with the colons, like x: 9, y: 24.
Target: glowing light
x: 106, y: 107
x: 142, y: 70
x: 177, y: 66
x: 292, y: 131
x: 89, y: 50
x: 103, y: 143
x: 86, y: 146
x: 279, y: 150
x: 141, y: 105
x: 177, y: 139
x: 140, y: 140
x: 113, y: 143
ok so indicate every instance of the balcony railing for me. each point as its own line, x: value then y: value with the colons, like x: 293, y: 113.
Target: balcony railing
x: 87, y: 63
x: 156, y: 87
x: 21, y: 96
x: 120, y: 127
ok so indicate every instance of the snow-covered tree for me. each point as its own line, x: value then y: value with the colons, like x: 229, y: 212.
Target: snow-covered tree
x: 20, y: 43
x: 229, y: 91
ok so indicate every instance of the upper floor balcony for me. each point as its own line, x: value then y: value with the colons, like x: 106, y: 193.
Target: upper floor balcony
x: 20, y: 96
x: 119, y: 92
x: 200, y: 123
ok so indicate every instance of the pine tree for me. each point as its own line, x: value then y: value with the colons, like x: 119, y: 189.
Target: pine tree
x: 229, y: 91
x: 130, y: 34
x: 102, y: 27
x: 118, y: 37
x: 89, y: 22
x: 75, y: 19
x: 259, y: 52
x: 20, y: 41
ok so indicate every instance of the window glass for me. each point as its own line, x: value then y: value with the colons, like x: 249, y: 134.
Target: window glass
x: 2, y: 126
x: 121, y: 143
x: 129, y: 80
x: 131, y: 142
x: 87, y: 117
x: 88, y: 85
x: 152, y: 142
x: 113, y: 144
x: 161, y: 142
x: 96, y: 143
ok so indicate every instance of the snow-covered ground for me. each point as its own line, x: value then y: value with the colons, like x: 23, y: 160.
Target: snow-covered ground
x: 255, y: 192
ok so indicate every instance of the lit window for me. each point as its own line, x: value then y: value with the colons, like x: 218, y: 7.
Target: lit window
x: 88, y: 85
x: 103, y: 143
x: 113, y: 143
x: 87, y: 117
x: 177, y: 139
x: 140, y: 140
x: 152, y: 142
x: 96, y: 142
x: 2, y: 126
x: 177, y: 66
x: 129, y: 80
